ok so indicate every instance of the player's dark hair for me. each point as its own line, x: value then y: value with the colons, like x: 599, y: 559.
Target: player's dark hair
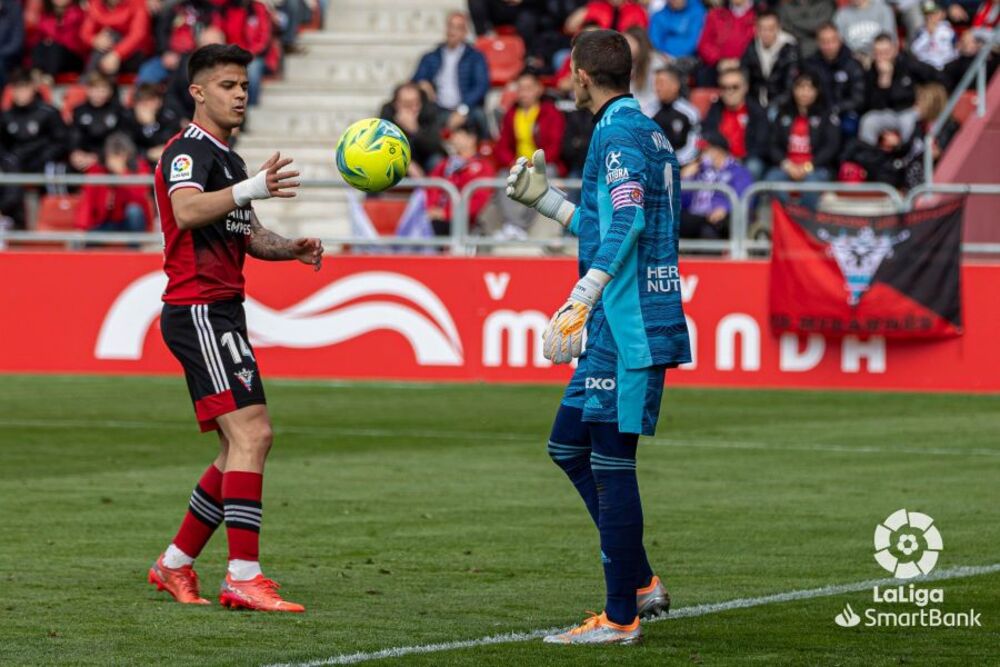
x: 213, y: 55
x: 606, y: 57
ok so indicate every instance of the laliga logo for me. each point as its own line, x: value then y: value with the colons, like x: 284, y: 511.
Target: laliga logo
x: 318, y: 321
x: 898, y: 546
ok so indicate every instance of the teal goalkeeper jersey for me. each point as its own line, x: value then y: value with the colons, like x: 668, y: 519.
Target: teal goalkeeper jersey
x: 628, y: 222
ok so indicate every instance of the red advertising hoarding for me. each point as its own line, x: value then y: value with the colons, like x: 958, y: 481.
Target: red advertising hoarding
x: 418, y: 318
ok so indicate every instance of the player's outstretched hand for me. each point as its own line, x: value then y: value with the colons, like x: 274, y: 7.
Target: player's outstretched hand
x: 309, y: 251
x: 563, y: 338
x: 527, y: 184
x: 280, y: 183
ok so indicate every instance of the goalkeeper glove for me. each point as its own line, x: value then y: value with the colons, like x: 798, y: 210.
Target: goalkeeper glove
x: 563, y: 339
x: 529, y: 185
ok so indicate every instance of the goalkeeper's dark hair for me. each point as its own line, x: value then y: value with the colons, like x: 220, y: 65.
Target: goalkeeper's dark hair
x: 211, y: 56
x: 606, y: 57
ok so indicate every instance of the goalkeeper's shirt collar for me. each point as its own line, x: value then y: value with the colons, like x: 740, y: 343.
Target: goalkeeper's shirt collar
x: 607, y: 105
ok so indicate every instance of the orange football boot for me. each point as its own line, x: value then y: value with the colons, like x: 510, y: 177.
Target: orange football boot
x: 181, y: 583
x: 258, y: 594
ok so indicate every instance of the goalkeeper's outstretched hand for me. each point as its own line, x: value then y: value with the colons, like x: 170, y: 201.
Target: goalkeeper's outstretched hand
x: 563, y: 339
x: 528, y: 184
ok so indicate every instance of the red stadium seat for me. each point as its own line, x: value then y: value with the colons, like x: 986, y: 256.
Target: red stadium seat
x: 57, y: 213
x: 504, y: 56
x: 72, y: 98
x: 385, y: 213
x: 703, y: 98
x: 966, y: 106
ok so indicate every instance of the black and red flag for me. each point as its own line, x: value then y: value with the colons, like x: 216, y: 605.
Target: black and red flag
x: 892, y: 275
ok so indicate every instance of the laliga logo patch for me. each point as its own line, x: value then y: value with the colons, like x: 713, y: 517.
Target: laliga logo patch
x: 181, y: 168
x: 914, y: 551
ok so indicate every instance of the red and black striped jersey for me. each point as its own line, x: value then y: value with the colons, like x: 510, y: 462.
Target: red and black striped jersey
x: 205, y: 264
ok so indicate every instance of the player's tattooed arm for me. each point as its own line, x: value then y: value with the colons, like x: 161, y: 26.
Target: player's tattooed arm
x: 267, y: 245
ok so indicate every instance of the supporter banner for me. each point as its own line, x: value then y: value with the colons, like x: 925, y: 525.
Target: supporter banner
x: 418, y: 318
x: 892, y: 275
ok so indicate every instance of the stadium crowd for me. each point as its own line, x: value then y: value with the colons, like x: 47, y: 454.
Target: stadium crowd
x: 124, y: 62
x: 783, y: 91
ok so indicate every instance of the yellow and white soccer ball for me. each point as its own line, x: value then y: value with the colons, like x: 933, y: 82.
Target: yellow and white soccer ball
x: 373, y: 155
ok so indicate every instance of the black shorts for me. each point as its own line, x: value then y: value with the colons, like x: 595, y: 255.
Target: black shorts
x: 212, y: 345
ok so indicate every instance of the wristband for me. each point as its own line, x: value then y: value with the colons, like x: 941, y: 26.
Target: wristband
x: 553, y: 204
x: 251, y: 189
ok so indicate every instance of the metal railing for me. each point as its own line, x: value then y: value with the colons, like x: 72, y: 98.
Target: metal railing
x: 721, y: 246
x: 461, y: 242
x: 976, y: 69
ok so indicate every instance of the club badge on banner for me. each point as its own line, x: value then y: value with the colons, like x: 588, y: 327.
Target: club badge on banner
x: 893, y: 275
x: 459, y: 319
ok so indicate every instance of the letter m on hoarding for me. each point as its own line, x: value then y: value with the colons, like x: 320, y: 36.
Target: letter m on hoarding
x: 517, y: 331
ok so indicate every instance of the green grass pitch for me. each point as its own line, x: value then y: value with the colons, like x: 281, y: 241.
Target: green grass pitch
x: 406, y: 515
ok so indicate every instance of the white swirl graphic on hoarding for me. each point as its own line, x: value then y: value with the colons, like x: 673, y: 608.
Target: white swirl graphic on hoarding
x: 319, y: 320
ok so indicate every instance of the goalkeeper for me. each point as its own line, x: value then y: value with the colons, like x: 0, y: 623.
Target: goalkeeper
x: 629, y: 300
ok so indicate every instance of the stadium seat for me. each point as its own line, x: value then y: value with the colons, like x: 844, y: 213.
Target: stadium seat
x: 966, y: 106
x: 504, y: 56
x: 385, y: 212
x: 6, y: 101
x: 73, y: 97
x: 703, y: 98
x: 57, y: 213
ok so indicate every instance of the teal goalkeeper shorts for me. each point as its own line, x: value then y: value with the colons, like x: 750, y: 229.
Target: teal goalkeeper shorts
x: 608, y: 392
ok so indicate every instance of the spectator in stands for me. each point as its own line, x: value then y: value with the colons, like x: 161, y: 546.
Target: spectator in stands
x: 176, y: 28
x: 247, y: 23
x: 115, y: 208
x: 677, y: 117
x: 11, y: 196
x: 552, y: 43
x: 705, y: 213
x: 676, y: 29
x: 531, y: 123
x: 523, y: 15
x: 969, y: 45
x: 11, y: 36
x: 862, y: 21
x: 803, y: 19
x: 178, y: 98
x: 771, y: 61
x: 841, y: 78
x: 151, y: 124
x: 291, y: 14
x: 934, y: 44
x: 889, y: 82
x: 645, y: 61
x: 54, y: 40
x: 454, y: 75
x: 961, y: 13
x: 120, y: 34
x: 617, y: 15
x: 728, y: 31
x: 94, y: 120
x: 31, y: 130
x: 740, y: 120
x: 464, y: 164
x: 805, y: 139
x: 410, y: 110
x: 890, y: 145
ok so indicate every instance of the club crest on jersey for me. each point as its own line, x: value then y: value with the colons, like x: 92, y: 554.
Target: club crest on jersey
x: 245, y: 376
x: 613, y: 165
x: 181, y: 168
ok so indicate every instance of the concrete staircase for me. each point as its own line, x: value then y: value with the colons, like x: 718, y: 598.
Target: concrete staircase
x: 347, y: 72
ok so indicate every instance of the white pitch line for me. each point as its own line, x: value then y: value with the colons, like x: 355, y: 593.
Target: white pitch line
x: 683, y: 612
x: 428, y: 434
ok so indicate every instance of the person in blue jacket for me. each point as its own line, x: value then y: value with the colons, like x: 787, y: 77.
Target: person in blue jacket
x: 675, y: 29
x: 628, y: 299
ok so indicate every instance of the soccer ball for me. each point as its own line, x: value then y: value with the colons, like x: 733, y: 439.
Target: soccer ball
x: 373, y: 155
